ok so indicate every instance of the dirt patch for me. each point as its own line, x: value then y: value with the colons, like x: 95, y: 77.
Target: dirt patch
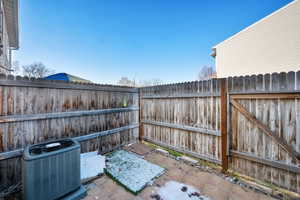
x: 139, y: 149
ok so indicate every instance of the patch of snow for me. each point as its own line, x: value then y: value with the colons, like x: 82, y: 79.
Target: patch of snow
x: 91, y: 165
x: 189, y: 159
x: 162, y: 151
x: 173, y: 190
x: 89, y: 154
x: 131, y: 170
x: 130, y: 144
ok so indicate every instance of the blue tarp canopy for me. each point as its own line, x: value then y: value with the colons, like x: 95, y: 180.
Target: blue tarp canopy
x: 66, y: 77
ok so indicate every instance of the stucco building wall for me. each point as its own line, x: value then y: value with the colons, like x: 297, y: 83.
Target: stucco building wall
x: 270, y: 45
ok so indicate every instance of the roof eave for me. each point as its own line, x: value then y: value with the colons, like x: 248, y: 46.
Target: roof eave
x: 214, y: 52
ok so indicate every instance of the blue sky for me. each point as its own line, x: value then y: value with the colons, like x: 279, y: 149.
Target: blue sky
x: 103, y: 40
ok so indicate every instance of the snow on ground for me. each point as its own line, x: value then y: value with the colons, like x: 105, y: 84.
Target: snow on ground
x: 173, y: 190
x: 91, y: 165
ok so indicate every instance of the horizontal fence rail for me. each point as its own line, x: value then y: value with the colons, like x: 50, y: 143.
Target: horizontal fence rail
x: 276, y: 164
x: 183, y: 127
x: 181, y: 96
x: 266, y: 96
x: 19, y: 152
x: 31, y: 117
x: 105, y: 133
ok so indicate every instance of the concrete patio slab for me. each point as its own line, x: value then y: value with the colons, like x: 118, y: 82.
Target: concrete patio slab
x: 209, y: 184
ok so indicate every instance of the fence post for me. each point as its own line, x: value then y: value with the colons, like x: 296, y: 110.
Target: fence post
x: 141, y: 128
x: 224, y: 124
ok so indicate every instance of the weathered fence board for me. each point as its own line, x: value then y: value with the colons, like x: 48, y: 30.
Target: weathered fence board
x: 101, y: 117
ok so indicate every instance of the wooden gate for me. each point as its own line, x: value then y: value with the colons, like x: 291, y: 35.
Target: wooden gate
x: 265, y: 128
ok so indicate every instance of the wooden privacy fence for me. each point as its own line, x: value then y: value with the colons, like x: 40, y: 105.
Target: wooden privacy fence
x: 32, y: 111
x: 250, y: 124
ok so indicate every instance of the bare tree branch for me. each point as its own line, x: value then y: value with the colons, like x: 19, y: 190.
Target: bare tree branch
x: 206, y: 72
x: 36, y: 70
x: 125, y: 81
x: 152, y: 82
x: 132, y: 83
x: 16, y: 70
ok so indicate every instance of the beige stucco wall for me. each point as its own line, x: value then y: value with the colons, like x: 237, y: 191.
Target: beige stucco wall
x: 270, y: 45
